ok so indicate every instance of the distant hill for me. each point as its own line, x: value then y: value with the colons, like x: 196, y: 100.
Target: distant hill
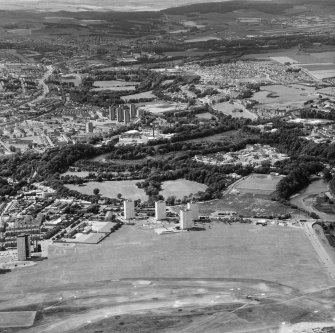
x: 230, y: 6
x: 275, y: 7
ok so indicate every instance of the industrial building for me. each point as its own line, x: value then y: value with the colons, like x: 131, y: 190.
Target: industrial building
x: 185, y: 219
x: 160, y: 210
x: 129, y: 209
x: 23, y: 247
x: 194, y: 208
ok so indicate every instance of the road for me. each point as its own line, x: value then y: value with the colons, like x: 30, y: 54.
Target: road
x: 45, y: 87
x: 304, y: 199
x: 324, y: 256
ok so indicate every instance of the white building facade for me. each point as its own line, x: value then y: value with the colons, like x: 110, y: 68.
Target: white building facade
x: 160, y: 210
x: 129, y: 209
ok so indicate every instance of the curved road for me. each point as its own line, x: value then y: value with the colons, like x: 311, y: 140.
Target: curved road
x: 323, y: 254
x: 45, y: 87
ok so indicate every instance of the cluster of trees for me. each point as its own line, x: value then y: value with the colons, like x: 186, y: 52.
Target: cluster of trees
x: 297, y: 179
x: 203, y: 93
x: 7, y: 189
x: 316, y: 114
x: 49, y: 164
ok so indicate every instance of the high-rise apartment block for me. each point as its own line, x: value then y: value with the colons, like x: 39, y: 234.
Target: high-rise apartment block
x: 23, y: 247
x: 89, y: 127
x: 185, y: 219
x: 129, y: 209
x: 194, y: 208
x: 112, y: 113
x: 120, y: 114
x: 133, y: 112
x: 160, y: 210
x: 126, y: 116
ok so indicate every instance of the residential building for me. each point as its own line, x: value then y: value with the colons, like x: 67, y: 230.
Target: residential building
x: 160, y: 210
x: 129, y: 209
x: 185, y: 219
x: 23, y: 247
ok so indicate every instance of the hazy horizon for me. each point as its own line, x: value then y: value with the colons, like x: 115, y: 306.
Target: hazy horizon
x: 99, y: 5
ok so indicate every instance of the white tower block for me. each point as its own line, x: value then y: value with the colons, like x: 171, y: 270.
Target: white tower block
x: 129, y: 209
x: 160, y: 210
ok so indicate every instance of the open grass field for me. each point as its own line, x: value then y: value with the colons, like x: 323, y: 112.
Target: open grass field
x: 177, y: 305
x: 277, y: 254
x: 205, y: 115
x: 17, y: 319
x: 161, y: 107
x: 279, y: 94
x: 201, y: 39
x: 236, y: 110
x: 180, y: 188
x: 248, y: 205
x: 258, y: 184
x: 229, y: 277
x: 323, y: 74
x: 146, y: 94
x: 228, y: 137
x: 299, y: 56
x: 114, y: 83
x: 110, y: 189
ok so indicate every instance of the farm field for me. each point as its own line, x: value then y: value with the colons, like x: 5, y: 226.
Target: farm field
x: 81, y: 174
x: 110, y: 189
x: 180, y: 188
x: 248, y: 205
x: 230, y: 136
x: 323, y: 74
x: 258, y: 184
x: 126, y: 88
x: 205, y: 115
x: 163, y: 107
x: 17, y: 319
x: 201, y: 39
x: 282, y: 95
x: 233, y: 110
x: 147, y: 94
x: 298, y: 56
x: 114, y: 85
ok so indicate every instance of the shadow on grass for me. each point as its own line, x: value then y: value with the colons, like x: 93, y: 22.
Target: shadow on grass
x: 197, y: 229
x: 4, y: 270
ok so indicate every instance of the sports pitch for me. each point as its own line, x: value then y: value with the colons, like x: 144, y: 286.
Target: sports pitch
x: 17, y: 319
x: 258, y: 184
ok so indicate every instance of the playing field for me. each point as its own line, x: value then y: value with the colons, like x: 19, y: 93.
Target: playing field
x: 17, y: 319
x: 279, y: 254
x: 145, y: 95
x: 258, y: 184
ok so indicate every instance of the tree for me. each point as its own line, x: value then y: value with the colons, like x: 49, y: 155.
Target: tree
x: 171, y: 200
x: 119, y: 195
x: 327, y: 176
x: 96, y: 191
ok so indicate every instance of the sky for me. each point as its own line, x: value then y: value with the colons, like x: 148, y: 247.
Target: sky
x: 100, y: 5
